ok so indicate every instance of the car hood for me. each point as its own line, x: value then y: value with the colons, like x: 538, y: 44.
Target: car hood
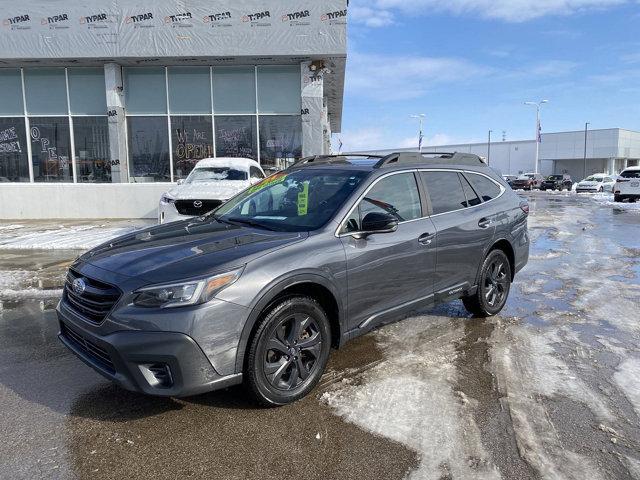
x: 219, y: 190
x: 186, y: 249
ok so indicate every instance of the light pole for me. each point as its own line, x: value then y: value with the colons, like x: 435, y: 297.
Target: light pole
x: 538, y: 105
x: 586, y: 128
x: 421, y: 117
x: 489, y: 149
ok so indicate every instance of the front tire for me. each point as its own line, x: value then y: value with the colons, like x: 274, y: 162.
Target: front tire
x: 617, y: 198
x: 289, y: 352
x: 493, y: 286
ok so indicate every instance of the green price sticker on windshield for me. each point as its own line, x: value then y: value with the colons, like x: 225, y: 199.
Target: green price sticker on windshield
x: 303, y: 199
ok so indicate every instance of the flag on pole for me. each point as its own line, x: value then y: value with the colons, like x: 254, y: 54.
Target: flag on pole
x: 539, y: 132
x: 339, y: 146
x: 420, y: 137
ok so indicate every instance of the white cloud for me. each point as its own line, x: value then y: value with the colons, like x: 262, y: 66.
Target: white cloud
x: 370, y: 17
x: 508, y: 10
x: 395, y: 77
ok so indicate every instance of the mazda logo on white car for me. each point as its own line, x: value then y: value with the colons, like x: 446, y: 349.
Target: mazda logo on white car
x: 79, y: 286
x: 197, y: 204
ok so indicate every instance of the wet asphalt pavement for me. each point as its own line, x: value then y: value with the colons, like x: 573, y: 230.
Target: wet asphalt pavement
x: 548, y: 389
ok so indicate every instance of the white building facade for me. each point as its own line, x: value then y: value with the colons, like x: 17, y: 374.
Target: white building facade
x: 607, y: 150
x: 106, y: 96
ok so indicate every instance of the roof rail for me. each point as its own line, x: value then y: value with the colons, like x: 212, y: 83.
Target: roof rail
x: 438, y: 158
x: 330, y: 159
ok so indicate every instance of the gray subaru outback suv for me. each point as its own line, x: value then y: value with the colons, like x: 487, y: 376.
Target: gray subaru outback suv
x: 260, y: 290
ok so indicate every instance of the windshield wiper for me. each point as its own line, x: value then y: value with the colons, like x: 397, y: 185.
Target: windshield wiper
x: 248, y: 221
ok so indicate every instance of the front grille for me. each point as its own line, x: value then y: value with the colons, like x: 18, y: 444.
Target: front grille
x: 97, y: 300
x: 188, y: 207
x: 96, y: 353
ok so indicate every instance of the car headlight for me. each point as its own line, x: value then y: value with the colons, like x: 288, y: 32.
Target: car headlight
x: 192, y: 292
x: 167, y: 199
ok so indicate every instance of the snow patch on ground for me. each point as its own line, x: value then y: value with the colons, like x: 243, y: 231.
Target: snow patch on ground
x: 527, y: 368
x: 77, y: 237
x: 21, y: 284
x: 626, y: 376
x: 410, y: 398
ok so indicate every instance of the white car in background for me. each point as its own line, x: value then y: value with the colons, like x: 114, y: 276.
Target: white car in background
x: 596, y: 183
x: 627, y: 185
x: 212, y: 182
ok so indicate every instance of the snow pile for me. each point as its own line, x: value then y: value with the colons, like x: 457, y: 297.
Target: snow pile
x: 78, y: 237
x: 410, y: 398
x: 626, y: 377
x: 20, y: 284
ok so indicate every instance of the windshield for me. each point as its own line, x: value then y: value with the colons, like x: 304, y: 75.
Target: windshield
x: 554, y: 177
x: 593, y: 178
x: 215, y: 174
x: 630, y: 174
x: 526, y: 176
x: 301, y: 200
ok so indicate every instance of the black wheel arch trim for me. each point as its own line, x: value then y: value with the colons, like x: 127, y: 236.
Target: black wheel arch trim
x: 272, y: 291
x: 492, y: 247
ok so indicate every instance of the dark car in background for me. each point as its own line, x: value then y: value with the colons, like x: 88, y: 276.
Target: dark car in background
x: 527, y: 181
x: 261, y: 289
x: 557, y: 182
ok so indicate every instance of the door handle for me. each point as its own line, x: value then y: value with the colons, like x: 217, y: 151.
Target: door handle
x: 426, y: 238
x: 484, y: 222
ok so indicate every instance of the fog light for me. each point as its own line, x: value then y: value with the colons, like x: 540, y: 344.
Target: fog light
x: 157, y: 374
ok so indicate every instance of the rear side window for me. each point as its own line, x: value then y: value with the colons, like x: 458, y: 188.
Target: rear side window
x: 472, y: 198
x: 254, y: 172
x: 486, y: 188
x: 445, y: 191
x: 630, y: 174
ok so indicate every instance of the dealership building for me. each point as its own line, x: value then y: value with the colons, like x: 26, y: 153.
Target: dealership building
x: 104, y: 104
x: 608, y: 150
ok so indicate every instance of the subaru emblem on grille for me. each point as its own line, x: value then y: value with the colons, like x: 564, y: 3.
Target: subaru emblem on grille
x: 79, y: 286
x: 197, y: 204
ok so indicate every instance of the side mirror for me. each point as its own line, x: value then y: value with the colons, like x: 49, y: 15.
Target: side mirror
x: 378, y: 222
x: 180, y: 182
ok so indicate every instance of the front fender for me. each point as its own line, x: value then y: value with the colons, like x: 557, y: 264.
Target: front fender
x: 271, y: 291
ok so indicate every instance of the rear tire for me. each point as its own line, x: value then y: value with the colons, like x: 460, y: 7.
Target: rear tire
x: 494, y: 285
x: 288, y: 352
x: 617, y: 198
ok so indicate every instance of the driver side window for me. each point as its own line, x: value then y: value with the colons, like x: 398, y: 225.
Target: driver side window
x: 397, y: 194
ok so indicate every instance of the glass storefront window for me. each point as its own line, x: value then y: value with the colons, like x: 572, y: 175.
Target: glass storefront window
x: 279, y: 89
x: 145, y: 90
x: 280, y: 140
x: 236, y: 136
x: 11, y: 92
x: 234, y: 90
x: 87, y: 91
x: 14, y: 164
x: 189, y: 90
x: 191, y: 141
x: 91, y: 142
x: 148, y: 141
x: 46, y: 91
x: 51, y: 149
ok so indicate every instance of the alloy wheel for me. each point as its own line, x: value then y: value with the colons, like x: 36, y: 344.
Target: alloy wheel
x: 496, y: 283
x: 292, y: 351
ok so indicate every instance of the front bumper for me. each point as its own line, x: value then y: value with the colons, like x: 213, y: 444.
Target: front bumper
x: 130, y: 358
x: 167, y: 213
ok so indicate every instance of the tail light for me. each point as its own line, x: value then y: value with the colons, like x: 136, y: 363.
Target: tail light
x: 524, y: 206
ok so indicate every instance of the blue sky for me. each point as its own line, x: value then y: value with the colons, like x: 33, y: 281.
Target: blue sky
x: 470, y: 64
